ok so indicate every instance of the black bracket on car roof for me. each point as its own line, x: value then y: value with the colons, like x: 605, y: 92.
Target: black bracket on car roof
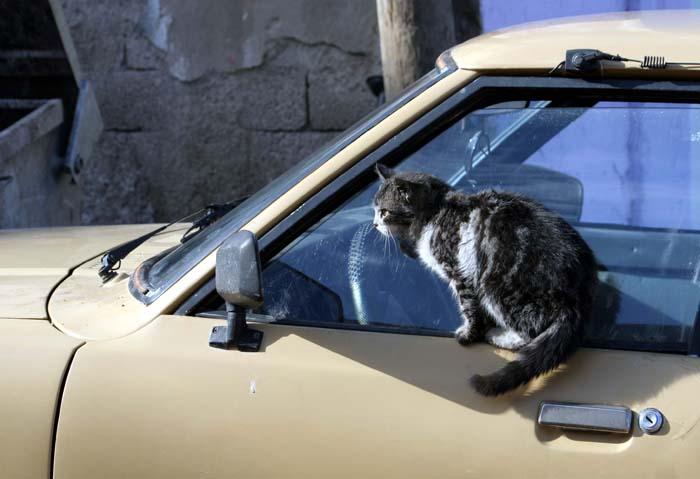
x: 585, y: 60
x: 588, y: 60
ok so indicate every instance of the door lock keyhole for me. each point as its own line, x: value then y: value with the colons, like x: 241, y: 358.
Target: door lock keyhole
x: 650, y: 420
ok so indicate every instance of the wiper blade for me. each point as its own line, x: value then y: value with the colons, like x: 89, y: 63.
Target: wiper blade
x: 211, y: 214
x: 111, y: 260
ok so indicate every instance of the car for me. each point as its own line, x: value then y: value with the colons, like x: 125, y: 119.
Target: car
x: 282, y: 336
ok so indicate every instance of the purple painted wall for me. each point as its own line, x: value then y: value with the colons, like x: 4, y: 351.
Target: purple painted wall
x: 502, y: 13
x: 647, y: 176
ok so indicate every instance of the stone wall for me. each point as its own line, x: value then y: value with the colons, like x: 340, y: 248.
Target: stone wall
x: 208, y: 100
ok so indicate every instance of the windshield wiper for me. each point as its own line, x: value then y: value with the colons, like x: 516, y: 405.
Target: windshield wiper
x: 211, y: 214
x: 111, y: 260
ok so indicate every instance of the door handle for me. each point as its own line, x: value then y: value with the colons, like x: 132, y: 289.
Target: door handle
x: 585, y: 417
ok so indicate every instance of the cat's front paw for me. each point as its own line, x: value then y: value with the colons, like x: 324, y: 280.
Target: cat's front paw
x: 465, y: 335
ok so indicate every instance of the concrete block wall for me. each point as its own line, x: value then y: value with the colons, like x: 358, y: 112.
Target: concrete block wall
x: 206, y: 101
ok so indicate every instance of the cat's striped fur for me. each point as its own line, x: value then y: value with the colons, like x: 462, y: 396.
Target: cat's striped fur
x: 523, y: 277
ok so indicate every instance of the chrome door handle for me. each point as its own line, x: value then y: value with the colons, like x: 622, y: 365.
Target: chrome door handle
x: 585, y: 417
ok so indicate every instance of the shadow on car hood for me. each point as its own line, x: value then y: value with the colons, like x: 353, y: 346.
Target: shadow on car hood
x: 34, y: 261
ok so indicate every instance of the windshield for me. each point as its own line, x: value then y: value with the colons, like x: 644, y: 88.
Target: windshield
x: 171, y: 267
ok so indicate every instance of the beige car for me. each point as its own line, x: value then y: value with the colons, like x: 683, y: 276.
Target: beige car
x: 321, y: 351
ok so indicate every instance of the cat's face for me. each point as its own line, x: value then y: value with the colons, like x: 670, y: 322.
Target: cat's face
x: 402, y: 197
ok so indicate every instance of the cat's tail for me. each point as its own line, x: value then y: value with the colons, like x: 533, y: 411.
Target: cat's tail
x: 544, y: 353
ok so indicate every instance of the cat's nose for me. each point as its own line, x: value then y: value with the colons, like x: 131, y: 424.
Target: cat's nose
x: 376, y: 225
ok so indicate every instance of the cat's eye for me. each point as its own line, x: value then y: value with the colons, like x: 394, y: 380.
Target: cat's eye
x: 383, y: 212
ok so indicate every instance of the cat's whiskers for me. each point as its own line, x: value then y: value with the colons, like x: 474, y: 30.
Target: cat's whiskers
x: 389, y: 239
x: 392, y: 239
x: 385, y: 240
x: 380, y: 235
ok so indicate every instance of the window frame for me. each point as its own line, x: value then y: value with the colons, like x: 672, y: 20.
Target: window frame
x: 481, y: 92
x: 146, y: 289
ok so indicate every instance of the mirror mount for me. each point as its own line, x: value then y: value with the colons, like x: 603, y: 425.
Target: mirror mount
x: 239, y: 283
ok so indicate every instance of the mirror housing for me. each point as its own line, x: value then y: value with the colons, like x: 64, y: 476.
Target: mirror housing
x: 239, y: 283
x: 238, y: 270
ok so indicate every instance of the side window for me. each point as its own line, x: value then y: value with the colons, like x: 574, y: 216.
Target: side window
x: 626, y: 175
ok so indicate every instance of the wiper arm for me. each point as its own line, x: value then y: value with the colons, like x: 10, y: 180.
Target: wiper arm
x: 111, y: 260
x: 211, y: 214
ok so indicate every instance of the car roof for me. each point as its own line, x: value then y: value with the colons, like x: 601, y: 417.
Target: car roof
x: 537, y: 46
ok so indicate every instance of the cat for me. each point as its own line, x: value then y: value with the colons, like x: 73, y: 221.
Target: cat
x: 523, y: 277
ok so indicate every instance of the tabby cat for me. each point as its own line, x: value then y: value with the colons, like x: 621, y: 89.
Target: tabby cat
x: 523, y: 277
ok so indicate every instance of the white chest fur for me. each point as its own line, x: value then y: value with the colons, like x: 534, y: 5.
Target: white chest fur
x: 425, y: 252
x: 466, y: 254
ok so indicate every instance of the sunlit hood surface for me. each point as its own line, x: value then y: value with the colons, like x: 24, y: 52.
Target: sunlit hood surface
x: 34, y: 261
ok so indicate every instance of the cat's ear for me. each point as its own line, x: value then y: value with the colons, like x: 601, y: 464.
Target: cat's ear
x: 384, y: 172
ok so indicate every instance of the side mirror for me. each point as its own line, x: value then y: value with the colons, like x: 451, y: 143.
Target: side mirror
x: 239, y: 283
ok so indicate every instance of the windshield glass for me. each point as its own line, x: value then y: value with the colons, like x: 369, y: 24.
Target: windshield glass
x: 167, y: 270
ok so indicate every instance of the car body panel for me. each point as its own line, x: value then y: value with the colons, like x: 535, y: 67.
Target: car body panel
x: 339, y: 403
x: 34, y: 261
x: 540, y: 46
x: 34, y: 357
x: 25, y: 293
x: 86, y: 308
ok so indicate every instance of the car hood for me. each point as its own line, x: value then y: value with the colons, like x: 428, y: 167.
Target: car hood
x: 34, y: 261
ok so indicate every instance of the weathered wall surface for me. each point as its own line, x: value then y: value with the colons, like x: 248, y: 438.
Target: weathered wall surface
x: 208, y: 100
